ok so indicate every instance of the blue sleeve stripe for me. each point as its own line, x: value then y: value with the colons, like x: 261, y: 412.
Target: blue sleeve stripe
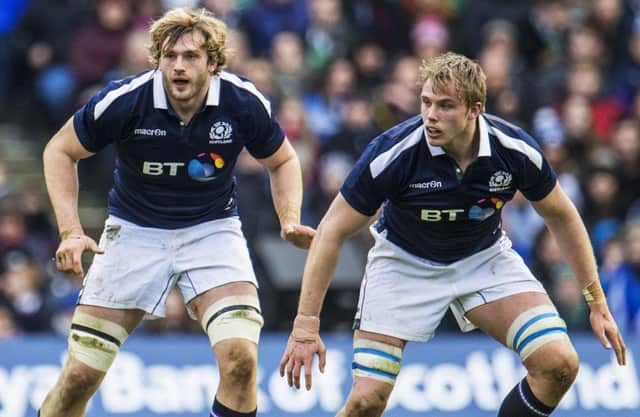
x: 541, y: 333
x: 373, y: 371
x: 529, y: 323
x: 377, y: 353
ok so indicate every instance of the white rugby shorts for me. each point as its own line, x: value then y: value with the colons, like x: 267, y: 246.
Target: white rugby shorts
x: 141, y: 265
x: 405, y: 296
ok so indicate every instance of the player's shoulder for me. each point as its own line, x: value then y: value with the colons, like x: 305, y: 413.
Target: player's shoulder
x: 505, y: 131
x: 242, y: 90
x: 512, y: 141
x: 405, y: 135
x: 123, y: 94
x: 386, y: 152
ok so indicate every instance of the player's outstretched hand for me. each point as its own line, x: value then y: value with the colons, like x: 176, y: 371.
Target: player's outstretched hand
x: 304, y: 342
x: 298, y: 235
x: 605, y: 327
x: 69, y: 253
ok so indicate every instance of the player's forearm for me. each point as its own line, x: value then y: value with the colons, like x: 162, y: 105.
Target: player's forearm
x: 286, y: 189
x: 320, y: 266
x: 61, y: 177
x: 573, y: 240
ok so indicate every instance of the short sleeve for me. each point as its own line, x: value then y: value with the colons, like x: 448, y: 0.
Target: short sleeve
x: 537, y: 178
x: 364, y: 192
x: 100, y: 122
x: 266, y: 133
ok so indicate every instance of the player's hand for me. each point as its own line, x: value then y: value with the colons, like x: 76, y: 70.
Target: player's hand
x: 69, y: 253
x: 298, y: 235
x: 605, y: 327
x: 304, y: 342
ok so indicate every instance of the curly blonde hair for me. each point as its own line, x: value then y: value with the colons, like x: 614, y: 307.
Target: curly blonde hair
x: 177, y: 22
x: 467, y: 77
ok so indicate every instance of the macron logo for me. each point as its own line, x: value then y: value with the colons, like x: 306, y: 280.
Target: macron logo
x: 427, y: 185
x: 150, y: 132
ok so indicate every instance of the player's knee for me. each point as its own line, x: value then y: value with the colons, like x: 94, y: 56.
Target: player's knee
x: 558, y: 364
x: 233, y: 317
x: 95, y: 341
x: 536, y: 328
x: 366, y: 404
x: 237, y: 363
x: 77, y: 386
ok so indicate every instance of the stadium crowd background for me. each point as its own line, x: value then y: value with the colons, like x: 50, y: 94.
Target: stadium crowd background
x: 337, y: 74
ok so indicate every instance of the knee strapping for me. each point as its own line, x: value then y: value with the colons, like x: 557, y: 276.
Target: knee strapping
x: 376, y: 360
x: 534, y: 328
x: 236, y: 316
x: 95, y: 341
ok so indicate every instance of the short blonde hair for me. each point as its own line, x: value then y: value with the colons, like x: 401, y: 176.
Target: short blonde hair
x: 175, y: 23
x: 467, y: 77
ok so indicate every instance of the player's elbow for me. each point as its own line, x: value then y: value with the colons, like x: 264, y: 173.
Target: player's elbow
x: 329, y: 231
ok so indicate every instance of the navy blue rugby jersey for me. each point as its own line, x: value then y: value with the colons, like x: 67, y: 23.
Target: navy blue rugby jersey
x: 169, y: 174
x: 430, y: 207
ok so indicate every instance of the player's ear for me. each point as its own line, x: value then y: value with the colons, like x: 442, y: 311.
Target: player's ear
x: 212, y: 66
x: 475, y: 110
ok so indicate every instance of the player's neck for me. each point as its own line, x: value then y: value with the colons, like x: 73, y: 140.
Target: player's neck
x: 464, y: 148
x: 186, y: 109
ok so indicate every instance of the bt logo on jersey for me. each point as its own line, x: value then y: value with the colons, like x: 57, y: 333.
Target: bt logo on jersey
x: 482, y: 210
x: 203, y: 167
x: 159, y: 168
x: 431, y: 215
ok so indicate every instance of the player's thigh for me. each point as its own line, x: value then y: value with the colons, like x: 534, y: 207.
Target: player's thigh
x: 376, y: 364
x: 127, y: 318
x: 134, y: 272
x: 402, y: 295
x: 214, y: 262
x: 200, y: 303
x: 231, y: 317
x: 95, y: 338
x: 496, y: 317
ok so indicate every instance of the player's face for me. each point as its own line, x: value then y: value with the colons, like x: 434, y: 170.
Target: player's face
x: 446, y: 117
x: 186, y: 70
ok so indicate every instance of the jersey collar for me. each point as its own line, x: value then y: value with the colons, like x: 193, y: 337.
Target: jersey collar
x: 485, y: 144
x: 160, y: 97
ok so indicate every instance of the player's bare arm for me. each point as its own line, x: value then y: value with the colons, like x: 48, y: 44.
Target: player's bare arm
x: 565, y: 224
x: 340, y: 222
x: 60, y: 157
x: 286, y: 187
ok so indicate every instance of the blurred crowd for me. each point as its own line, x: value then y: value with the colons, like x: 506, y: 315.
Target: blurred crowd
x: 337, y: 74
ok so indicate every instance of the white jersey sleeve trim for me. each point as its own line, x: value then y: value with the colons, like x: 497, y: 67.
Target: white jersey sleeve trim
x: 521, y: 146
x: 382, y: 161
x: 247, y: 85
x: 111, y: 96
x: 159, y: 98
x: 485, y: 145
x: 213, y: 97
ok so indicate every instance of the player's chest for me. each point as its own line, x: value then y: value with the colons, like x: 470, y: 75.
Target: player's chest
x: 165, y: 136
x: 166, y: 150
x: 442, y: 183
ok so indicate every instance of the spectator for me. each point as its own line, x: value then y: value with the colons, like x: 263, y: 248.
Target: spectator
x: 623, y: 287
x: 266, y: 18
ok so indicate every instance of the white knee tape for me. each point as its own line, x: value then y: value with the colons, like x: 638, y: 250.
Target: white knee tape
x: 95, y: 341
x: 376, y: 360
x: 534, y: 328
x: 231, y: 317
